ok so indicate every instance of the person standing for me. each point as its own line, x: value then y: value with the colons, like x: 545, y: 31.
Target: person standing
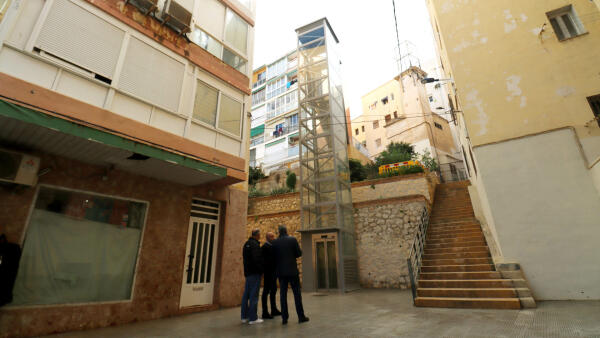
x: 270, y: 281
x: 253, y: 268
x: 286, y: 251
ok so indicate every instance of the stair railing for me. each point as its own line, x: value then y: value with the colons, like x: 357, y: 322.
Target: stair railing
x: 416, y: 252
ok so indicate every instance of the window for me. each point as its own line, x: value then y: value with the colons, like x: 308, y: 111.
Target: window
x: 234, y: 60
x: 375, y: 124
x: 395, y: 114
x: 594, y: 102
x: 260, y: 79
x: 388, y: 118
x: 282, y: 104
x: 79, y: 247
x: 565, y: 23
x: 384, y: 100
x: 258, y: 97
x: 473, y: 161
x: 236, y: 31
x: 438, y: 126
x: 373, y: 106
x: 230, y: 114
x: 356, y: 131
x: 205, y: 104
x: 260, y: 139
x: 362, y: 128
x: 378, y: 142
x: 275, y: 88
x: 391, y: 96
x: 431, y: 99
x: 277, y: 68
x: 364, y: 143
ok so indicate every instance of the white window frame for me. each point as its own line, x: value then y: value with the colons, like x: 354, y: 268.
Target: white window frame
x: 558, y: 14
x: 238, y: 137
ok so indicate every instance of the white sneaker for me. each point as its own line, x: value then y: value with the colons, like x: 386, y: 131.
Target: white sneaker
x: 244, y: 321
x: 258, y: 321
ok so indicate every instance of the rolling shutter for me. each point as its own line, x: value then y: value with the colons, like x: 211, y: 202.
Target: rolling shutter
x: 80, y: 37
x: 151, y: 75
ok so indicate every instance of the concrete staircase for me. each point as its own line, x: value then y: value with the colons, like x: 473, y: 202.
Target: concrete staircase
x: 457, y: 269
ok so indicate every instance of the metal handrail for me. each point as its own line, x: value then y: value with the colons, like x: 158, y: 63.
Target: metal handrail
x: 416, y: 252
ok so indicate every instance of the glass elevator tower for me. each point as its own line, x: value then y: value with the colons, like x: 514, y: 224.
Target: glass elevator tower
x: 328, y: 242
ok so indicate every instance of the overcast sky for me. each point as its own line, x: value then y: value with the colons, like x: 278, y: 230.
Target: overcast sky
x: 365, y: 29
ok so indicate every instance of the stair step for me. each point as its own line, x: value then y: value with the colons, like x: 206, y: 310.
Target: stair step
x: 457, y: 249
x: 449, y: 227
x: 460, y: 275
x: 453, y: 232
x: 468, y: 292
x: 455, y: 239
x: 455, y: 255
x: 469, y: 303
x: 454, y: 244
x: 456, y: 261
x: 458, y: 268
x: 460, y: 236
x: 466, y: 283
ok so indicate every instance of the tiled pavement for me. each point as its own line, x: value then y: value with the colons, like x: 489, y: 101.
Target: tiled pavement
x: 386, y: 313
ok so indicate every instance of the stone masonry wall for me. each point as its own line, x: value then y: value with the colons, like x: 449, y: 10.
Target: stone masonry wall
x: 384, y: 234
x: 386, y: 214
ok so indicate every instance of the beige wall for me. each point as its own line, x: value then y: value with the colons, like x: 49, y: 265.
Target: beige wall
x: 535, y: 176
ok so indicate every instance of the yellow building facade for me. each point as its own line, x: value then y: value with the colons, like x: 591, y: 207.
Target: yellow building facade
x: 525, y: 81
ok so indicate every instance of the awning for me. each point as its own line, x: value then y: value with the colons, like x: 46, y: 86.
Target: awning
x: 31, y: 129
x: 257, y: 130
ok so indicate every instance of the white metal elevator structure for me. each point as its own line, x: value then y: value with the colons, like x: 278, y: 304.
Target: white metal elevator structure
x: 326, y: 199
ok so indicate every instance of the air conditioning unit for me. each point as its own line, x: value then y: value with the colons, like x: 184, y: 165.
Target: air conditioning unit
x: 18, y: 168
x: 144, y: 6
x: 177, y: 17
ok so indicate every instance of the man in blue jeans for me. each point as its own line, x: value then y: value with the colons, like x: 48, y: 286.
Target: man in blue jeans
x: 253, y: 268
x: 287, y: 250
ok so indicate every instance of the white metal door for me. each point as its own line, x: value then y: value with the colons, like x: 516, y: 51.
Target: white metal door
x: 201, y: 254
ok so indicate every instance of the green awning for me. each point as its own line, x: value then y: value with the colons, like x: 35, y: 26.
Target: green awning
x: 35, y: 117
x: 257, y: 130
x: 294, y: 135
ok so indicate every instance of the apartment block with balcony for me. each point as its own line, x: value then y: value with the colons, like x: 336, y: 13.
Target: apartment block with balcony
x: 274, y: 126
x: 124, y: 132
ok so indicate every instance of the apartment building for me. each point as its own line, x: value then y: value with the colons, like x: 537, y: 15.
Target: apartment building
x: 124, y: 132
x: 400, y: 111
x: 274, y: 133
x: 524, y: 79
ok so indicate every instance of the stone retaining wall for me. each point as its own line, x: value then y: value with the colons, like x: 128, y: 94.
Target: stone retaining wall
x: 386, y: 214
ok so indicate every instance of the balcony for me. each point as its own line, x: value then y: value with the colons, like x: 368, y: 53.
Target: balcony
x: 293, y: 151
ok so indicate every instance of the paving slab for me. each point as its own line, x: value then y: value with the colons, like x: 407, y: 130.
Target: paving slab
x: 375, y: 313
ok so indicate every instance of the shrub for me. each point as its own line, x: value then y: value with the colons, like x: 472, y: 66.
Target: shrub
x: 279, y: 191
x: 253, y: 192
x: 255, y: 174
x: 394, y: 153
x: 290, y: 181
x: 357, y: 170
x: 428, y: 161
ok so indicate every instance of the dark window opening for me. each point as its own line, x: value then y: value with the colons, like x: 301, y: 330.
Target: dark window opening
x: 594, y: 102
x: 384, y: 100
x: 388, y: 118
x: 438, y: 126
x: 363, y: 128
x: 395, y: 114
x: 356, y: 131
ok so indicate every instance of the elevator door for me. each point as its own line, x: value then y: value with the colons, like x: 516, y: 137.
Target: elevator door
x: 326, y: 261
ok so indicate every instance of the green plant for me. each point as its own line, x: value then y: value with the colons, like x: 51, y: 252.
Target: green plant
x: 405, y: 170
x: 290, y: 181
x: 394, y: 153
x: 428, y: 161
x: 255, y: 174
x: 357, y: 170
x: 253, y: 192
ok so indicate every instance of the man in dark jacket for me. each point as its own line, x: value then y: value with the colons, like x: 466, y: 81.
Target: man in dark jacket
x: 286, y: 251
x: 270, y: 280
x: 253, y: 268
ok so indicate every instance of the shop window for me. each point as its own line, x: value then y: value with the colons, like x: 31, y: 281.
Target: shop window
x: 594, y: 102
x: 236, y: 31
x: 79, y: 247
x: 565, y: 23
x: 438, y: 126
x: 205, y: 104
x: 230, y: 115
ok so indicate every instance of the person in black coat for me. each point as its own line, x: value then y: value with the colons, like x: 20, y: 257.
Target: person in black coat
x: 270, y: 280
x: 253, y: 268
x: 286, y: 251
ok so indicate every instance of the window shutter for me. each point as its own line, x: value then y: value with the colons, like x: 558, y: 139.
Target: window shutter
x: 80, y: 37
x: 152, y: 75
